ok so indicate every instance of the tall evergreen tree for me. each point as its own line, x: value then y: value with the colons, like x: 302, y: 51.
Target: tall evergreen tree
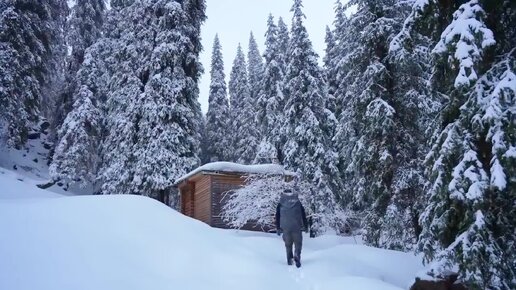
x: 83, y: 29
x: 309, y: 125
x: 468, y: 223
x: 217, y: 119
x: 153, y: 116
x: 254, y: 68
x: 270, y: 99
x: 283, y: 40
x: 244, y: 129
x: 31, y: 47
x: 330, y: 66
x: 143, y: 75
x: 378, y: 139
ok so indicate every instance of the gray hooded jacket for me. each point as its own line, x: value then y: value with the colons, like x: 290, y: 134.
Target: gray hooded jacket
x: 290, y: 214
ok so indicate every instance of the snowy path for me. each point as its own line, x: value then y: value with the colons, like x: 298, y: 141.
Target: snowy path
x: 331, y: 262
x: 50, y: 242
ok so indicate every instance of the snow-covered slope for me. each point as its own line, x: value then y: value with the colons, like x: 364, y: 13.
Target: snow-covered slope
x: 30, y: 164
x: 131, y: 242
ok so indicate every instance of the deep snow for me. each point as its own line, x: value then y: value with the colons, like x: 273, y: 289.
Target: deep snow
x: 53, y: 242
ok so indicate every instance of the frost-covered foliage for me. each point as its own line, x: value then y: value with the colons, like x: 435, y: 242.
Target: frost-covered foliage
x: 31, y: 61
x: 270, y: 101
x: 218, y: 131
x: 256, y: 202
x: 308, y: 125
x: 244, y: 130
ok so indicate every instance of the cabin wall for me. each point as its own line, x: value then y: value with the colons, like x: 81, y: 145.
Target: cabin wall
x: 220, y: 185
x: 202, y: 199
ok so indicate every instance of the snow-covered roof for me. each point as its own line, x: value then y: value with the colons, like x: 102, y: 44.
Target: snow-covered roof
x: 230, y: 167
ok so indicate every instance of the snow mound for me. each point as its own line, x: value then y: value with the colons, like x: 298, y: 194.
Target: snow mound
x: 237, y: 168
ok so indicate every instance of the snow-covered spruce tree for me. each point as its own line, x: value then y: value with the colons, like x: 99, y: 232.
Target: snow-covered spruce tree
x: 283, y: 40
x: 218, y: 133
x: 255, y: 68
x: 270, y: 101
x: 93, y: 84
x: 83, y: 29
x: 468, y: 224
x: 244, y: 129
x: 31, y: 47
x: 153, y: 117
x: 337, y: 63
x: 76, y: 155
x: 308, y: 128
x: 416, y: 108
x: 374, y: 139
x: 330, y: 68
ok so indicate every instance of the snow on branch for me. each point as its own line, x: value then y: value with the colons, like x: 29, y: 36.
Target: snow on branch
x: 466, y: 38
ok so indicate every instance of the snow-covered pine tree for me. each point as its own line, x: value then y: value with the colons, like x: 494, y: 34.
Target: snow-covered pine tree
x: 255, y: 68
x: 336, y: 63
x: 468, y: 224
x: 244, y: 130
x: 270, y: 101
x: 330, y: 68
x: 55, y: 66
x: 31, y: 47
x: 169, y: 138
x: 153, y: 116
x: 283, y: 40
x: 75, y: 146
x: 308, y: 127
x: 377, y: 135
x: 217, y: 119
x: 410, y: 59
x: 76, y: 155
x: 83, y: 29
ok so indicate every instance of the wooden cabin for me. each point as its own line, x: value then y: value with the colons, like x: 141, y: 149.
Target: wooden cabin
x: 202, y: 190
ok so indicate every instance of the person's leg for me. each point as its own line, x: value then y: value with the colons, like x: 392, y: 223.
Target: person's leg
x: 298, y: 243
x: 288, y: 239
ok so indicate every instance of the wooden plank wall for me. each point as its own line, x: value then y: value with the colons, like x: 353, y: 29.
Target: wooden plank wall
x: 202, y: 199
x: 220, y: 185
x: 187, y: 204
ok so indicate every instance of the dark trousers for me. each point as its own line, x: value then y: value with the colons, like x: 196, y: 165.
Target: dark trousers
x: 293, y: 238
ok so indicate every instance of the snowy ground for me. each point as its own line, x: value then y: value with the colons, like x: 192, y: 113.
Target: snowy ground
x: 57, y: 240
x: 49, y: 241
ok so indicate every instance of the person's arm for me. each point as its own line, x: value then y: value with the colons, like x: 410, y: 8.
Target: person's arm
x: 303, y: 215
x: 278, y: 216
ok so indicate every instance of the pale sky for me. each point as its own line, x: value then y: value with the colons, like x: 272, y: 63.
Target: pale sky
x: 233, y: 20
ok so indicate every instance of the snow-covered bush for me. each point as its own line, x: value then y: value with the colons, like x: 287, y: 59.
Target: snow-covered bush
x: 256, y: 203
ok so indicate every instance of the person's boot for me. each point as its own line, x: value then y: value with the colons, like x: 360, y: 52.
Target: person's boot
x: 290, y: 259
x: 297, y: 259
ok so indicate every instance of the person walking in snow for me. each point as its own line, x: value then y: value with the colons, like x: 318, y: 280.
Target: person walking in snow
x: 291, y: 221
